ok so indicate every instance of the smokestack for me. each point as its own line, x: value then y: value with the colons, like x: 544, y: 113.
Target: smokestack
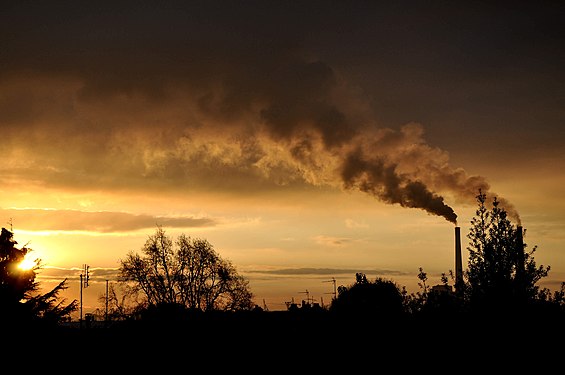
x: 458, y: 261
x: 520, y: 266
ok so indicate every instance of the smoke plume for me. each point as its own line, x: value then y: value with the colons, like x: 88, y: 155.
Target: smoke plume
x: 383, y: 182
x: 196, y: 105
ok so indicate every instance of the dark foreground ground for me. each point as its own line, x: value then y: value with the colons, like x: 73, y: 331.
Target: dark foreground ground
x: 284, y: 341
x: 294, y: 342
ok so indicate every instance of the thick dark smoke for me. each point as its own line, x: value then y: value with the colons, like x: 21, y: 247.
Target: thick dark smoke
x: 386, y: 184
x: 190, y: 97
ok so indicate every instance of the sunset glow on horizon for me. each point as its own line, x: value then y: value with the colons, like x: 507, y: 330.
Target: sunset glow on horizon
x: 305, y: 141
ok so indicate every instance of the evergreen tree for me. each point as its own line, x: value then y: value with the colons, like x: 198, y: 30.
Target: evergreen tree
x: 501, y: 274
x: 20, y: 299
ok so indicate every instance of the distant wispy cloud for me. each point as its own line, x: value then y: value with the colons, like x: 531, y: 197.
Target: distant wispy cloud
x: 332, y: 241
x: 49, y: 273
x: 351, y: 224
x: 103, y: 274
x: 97, y: 221
x: 325, y: 271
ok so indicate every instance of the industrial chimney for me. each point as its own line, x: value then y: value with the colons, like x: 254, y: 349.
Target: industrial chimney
x: 520, y: 266
x: 458, y: 261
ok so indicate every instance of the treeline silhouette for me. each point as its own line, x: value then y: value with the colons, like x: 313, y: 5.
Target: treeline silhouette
x: 183, y: 292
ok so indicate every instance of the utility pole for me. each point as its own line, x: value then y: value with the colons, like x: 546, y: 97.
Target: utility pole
x: 106, y: 306
x: 335, y: 289
x: 307, y: 296
x: 84, y: 276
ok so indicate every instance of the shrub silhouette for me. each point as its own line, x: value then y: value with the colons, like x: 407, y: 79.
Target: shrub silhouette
x: 378, y: 298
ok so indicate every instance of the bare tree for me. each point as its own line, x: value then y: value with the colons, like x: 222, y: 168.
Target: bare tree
x: 186, y: 272
x: 120, y: 303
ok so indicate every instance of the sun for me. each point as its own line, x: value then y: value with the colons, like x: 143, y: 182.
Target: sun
x: 27, y: 263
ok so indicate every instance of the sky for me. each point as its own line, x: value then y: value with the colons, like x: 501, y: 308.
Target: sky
x: 306, y: 141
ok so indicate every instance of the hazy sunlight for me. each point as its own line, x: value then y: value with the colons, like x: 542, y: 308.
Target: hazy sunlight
x: 28, y: 263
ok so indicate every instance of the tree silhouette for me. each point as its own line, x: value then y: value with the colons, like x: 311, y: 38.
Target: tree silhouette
x: 500, y: 274
x: 19, y: 297
x: 432, y: 300
x: 119, y: 304
x: 191, y: 275
x: 380, y: 297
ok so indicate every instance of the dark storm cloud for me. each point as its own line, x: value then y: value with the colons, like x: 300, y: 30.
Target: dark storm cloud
x: 104, y: 222
x: 123, y: 48
x: 173, y: 96
x: 162, y: 97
